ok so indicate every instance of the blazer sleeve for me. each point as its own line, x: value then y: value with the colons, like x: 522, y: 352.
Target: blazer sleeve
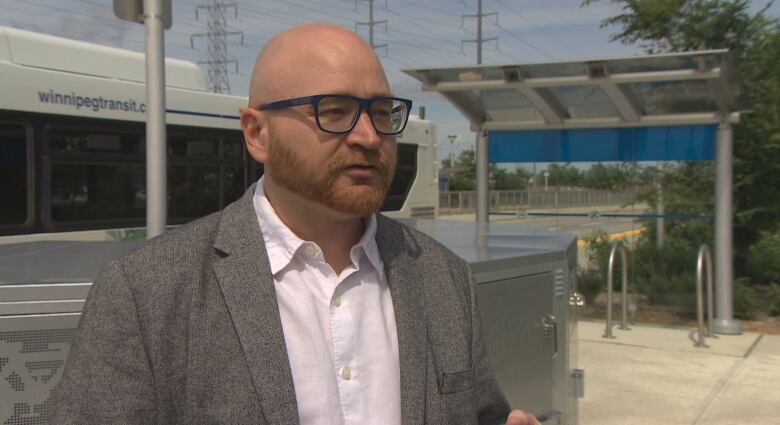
x: 107, y: 377
x: 492, y: 406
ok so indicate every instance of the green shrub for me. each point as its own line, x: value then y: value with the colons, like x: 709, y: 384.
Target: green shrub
x: 589, y: 284
x: 598, y: 246
x: 745, y: 301
x: 774, y: 307
x: 764, y: 259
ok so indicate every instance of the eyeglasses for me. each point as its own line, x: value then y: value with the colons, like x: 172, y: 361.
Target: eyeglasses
x: 338, y: 113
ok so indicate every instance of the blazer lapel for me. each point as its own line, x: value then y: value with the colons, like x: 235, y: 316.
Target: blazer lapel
x: 243, y: 271
x: 401, y: 260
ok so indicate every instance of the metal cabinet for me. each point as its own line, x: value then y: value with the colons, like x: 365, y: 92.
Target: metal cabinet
x: 525, y: 292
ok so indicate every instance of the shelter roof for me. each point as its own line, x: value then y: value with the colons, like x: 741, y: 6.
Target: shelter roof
x: 685, y: 88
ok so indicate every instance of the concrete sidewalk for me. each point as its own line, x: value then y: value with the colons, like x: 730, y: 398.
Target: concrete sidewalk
x: 654, y: 375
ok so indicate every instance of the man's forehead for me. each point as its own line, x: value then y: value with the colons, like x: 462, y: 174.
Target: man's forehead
x: 316, y: 59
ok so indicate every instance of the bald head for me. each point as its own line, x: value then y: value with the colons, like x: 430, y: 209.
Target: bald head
x: 301, y: 61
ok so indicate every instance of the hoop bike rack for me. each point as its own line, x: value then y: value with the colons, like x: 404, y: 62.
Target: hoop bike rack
x: 617, y: 246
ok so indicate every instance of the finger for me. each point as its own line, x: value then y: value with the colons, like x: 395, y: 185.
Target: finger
x: 518, y: 417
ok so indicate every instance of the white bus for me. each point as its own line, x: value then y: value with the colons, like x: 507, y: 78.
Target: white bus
x: 72, y: 144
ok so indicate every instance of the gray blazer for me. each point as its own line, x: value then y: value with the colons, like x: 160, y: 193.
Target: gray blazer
x: 186, y: 329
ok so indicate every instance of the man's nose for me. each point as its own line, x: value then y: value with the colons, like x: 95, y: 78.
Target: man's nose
x: 364, y: 133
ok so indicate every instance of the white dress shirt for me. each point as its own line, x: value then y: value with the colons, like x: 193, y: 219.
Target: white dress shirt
x: 339, y: 330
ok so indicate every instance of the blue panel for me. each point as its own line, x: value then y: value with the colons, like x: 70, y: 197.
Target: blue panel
x: 670, y: 143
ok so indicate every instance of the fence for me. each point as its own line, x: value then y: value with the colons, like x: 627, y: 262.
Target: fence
x: 466, y: 201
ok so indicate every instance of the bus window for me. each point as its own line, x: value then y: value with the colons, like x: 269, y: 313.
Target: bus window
x: 193, y: 190
x: 83, y: 191
x: 96, y: 176
x: 13, y: 174
x: 233, y: 148
x: 233, y: 184
x: 195, y: 147
x: 405, y: 172
x: 72, y: 141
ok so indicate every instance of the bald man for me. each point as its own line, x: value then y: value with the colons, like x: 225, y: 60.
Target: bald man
x: 298, y: 303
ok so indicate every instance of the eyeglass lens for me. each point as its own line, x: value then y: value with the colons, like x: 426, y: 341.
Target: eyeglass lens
x: 338, y: 114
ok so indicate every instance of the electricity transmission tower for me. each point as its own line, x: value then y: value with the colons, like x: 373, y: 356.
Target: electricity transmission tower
x: 479, y: 40
x: 371, y: 24
x: 217, y: 38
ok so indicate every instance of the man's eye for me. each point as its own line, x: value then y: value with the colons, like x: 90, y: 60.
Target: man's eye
x: 333, y: 112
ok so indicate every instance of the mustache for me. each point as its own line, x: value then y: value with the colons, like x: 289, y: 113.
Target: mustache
x: 368, y: 159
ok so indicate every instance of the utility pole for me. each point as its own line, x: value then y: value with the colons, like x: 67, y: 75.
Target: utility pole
x: 156, y: 15
x: 481, y: 154
x: 371, y: 24
x: 217, y: 37
x: 452, y: 138
x: 659, y: 223
x: 479, y: 40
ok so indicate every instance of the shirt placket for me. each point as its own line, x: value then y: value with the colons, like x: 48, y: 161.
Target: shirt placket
x: 344, y: 350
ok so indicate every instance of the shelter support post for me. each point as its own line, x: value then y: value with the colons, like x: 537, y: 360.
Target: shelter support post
x: 483, y: 194
x: 156, y: 176
x: 724, y: 275
x: 660, y: 230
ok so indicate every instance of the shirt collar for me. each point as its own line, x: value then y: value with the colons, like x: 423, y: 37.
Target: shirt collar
x: 282, y: 244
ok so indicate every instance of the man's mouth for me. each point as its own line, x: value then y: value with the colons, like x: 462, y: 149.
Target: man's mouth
x: 360, y: 171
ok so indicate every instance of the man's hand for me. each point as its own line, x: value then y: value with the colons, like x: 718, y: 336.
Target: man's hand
x: 518, y: 417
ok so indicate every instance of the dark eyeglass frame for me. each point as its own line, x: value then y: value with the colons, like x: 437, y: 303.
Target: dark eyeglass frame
x: 363, y: 104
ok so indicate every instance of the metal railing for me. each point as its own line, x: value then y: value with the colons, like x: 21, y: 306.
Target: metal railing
x: 617, y: 246
x: 704, y: 263
x: 466, y: 201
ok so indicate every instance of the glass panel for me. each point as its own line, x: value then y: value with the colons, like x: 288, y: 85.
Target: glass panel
x: 675, y: 97
x: 508, y: 104
x: 466, y: 74
x: 572, y: 69
x: 13, y: 174
x: 80, y: 141
x: 193, y: 191
x: 585, y: 101
x: 97, y: 192
x: 662, y: 63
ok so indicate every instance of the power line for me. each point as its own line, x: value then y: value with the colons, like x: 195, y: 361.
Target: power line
x: 518, y: 38
x: 429, y: 8
x: 538, y: 28
x: 217, y: 36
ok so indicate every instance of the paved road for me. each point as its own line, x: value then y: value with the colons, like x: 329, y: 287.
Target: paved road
x: 579, y: 226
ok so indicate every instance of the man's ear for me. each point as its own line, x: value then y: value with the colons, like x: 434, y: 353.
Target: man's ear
x: 254, y: 124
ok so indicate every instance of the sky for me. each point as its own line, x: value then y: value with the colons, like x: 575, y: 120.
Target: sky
x: 418, y: 34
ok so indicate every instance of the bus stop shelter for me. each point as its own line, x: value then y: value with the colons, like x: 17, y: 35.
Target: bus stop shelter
x: 666, y: 107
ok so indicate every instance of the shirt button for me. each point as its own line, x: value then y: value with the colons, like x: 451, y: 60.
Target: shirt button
x: 345, y: 373
x: 310, y: 251
x: 337, y: 301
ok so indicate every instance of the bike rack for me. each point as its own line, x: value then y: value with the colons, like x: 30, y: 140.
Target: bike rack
x: 610, y: 280
x: 704, y: 263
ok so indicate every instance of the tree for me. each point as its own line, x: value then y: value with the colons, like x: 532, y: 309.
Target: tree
x: 502, y: 179
x: 609, y: 176
x: 564, y: 175
x: 754, y: 40
x: 466, y: 179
